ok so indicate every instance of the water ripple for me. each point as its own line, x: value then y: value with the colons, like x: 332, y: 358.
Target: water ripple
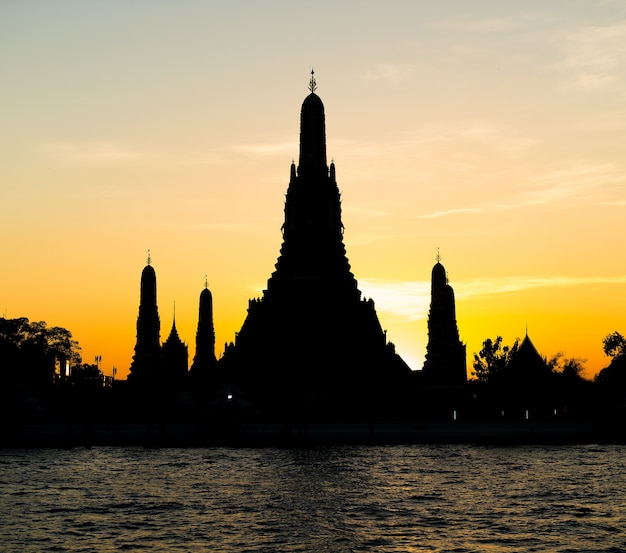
x: 453, y: 499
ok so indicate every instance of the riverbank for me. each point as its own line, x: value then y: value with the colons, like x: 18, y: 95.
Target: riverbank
x: 55, y: 433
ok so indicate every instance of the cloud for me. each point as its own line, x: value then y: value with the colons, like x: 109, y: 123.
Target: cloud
x: 407, y: 301
x: 404, y: 301
x: 444, y: 213
x: 492, y: 286
x: 201, y: 158
x: 114, y: 153
x: 436, y: 141
x: 486, y: 25
x: 613, y: 203
x: 229, y: 153
x: 389, y: 72
x: 586, y: 182
x: 95, y: 152
x: 265, y: 149
x: 365, y: 213
x: 583, y: 181
x: 594, y: 57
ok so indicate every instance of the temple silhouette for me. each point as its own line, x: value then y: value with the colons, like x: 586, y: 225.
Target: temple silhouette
x: 146, y: 369
x: 445, y: 353
x: 311, y: 340
x: 310, y: 362
x: 311, y: 345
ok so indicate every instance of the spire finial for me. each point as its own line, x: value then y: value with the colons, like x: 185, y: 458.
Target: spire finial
x: 312, y: 83
x: 149, y: 258
x: 438, y: 255
x: 206, y: 281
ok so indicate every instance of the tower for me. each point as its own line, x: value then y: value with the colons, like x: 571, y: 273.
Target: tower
x: 310, y: 342
x: 175, y: 358
x: 445, y: 358
x: 146, y: 367
x: 204, y: 361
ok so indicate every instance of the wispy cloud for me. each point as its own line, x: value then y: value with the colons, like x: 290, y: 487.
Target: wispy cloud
x: 594, y: 57
x: 389, y: 72
x: 491, y: 286
x: 613, y: 203
x: 213, y: 227
x: 116, y: 153
x: 408, y: 301
x: 265, y: 149
x: 404, y: 301
x: 437, y: 141
x: 487, y: 25
x: 95, y: 152
x: 585, y: 182
x: 363, y: 212
x: 444, y: 213
x: 201, y: 158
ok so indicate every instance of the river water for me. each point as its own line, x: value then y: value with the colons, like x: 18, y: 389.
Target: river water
x: 417, y: 498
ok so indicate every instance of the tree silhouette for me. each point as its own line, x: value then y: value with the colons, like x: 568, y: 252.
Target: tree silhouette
x: 569, y: 370
x: 614, y: 345
x: 28, y: 352
x: 491, y: 361
x: 613, y: 378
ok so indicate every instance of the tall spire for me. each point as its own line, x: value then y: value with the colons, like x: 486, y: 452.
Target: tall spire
x: 313, y: 250
x: 146, y: 364
x: 204, y: 360
x: 311, y: 344
x: 445, y: 358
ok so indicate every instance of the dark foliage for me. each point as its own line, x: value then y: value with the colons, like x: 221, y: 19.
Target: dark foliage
x: 491, y: 361
x: 31, y: 354
x: 612, y: 379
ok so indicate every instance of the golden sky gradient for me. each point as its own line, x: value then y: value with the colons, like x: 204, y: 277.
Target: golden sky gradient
x: 494, y: 131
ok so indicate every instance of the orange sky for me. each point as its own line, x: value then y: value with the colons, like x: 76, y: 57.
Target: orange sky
x: 494, y: 131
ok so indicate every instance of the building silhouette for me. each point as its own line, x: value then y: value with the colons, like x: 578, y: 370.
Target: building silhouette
x: 204, y: 367
x: 445, y: 363
x: 175, y: 356
x: 311, y: 343
x: 528, y: 363
x: 147, y: 365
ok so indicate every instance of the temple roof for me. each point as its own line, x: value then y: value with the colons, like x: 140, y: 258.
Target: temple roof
x: 174, y: 337
x: 528, y: 352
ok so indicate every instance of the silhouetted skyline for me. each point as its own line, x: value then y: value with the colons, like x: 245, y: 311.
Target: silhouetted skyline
x: 493, y: 132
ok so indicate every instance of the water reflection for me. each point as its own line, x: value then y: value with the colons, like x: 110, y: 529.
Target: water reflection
x: 394, y: 498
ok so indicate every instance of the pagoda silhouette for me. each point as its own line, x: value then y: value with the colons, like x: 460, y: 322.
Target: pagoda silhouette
x: 311, y: 344
x: 445, y: 363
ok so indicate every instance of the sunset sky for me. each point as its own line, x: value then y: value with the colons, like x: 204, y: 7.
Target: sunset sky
x: 492, y: 130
